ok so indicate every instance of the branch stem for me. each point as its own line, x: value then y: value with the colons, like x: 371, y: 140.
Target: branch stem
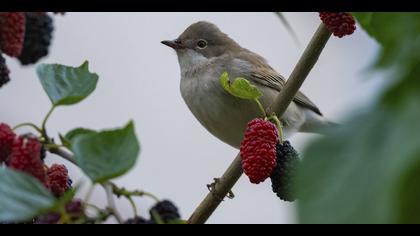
x: 111, y: 202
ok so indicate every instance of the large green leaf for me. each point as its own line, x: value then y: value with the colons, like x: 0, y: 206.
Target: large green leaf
x: 107, y: 154
x: 22, y: 197
x: 67, y: 85
x: 368, y: 170
x: 365, y: 171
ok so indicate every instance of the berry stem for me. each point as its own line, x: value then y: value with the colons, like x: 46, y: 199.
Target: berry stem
x: 277, y: 122
x: 136, y: 193
x: 282, y: 101
x: 133, y: 205
x: 64, y: 216
x: 44, y: 122
x: 261, y: 107
x: 156, y: 217
x: 28, y: 125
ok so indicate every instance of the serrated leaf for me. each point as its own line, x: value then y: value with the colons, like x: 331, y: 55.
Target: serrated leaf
x: 240, y: 87
x: 66, y: 85
x: 22, y: 197
x: 107, y: 154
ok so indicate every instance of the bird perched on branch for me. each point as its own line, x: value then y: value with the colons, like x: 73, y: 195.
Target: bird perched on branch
x: 204, y: 53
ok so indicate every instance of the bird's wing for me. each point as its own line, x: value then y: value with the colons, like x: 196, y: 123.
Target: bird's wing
x: 264, y: 75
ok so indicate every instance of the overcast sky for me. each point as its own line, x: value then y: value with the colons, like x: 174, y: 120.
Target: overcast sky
x: 139, y: 80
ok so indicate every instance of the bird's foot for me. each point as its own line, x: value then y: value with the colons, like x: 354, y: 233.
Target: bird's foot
x: 212, y: 188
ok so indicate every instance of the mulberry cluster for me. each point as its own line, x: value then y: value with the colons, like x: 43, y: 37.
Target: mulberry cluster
x: 283, y: 174
x: 339, y: 23
x: 258, y: 150
x: 26, y: 36
x: 24, y: 153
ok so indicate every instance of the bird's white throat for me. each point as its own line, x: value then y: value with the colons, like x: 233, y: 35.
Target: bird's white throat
x: 191, y: 61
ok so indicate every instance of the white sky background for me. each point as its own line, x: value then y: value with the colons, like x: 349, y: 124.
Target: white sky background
x: 139, y: 80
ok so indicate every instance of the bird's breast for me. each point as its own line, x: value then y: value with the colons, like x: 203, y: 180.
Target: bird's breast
x: 220, y: 113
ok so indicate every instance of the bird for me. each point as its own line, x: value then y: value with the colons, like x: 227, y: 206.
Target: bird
x: 204, y: 53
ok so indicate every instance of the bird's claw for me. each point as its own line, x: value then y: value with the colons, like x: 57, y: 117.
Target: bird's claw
x: 212, y: 188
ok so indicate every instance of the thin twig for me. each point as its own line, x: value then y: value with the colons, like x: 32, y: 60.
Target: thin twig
x: 282, y: 101
x: 111, y: 202
x: 132, y: 193
x: 64, y: 154
x: 288, y: 27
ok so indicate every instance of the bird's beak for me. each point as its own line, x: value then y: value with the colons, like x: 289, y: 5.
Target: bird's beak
x: 175, y: 44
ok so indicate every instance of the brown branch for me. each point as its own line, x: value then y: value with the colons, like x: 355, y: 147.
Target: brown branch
x: 223, y: 186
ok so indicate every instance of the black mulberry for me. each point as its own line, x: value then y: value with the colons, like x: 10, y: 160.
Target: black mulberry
x: 282, y: 177
x: 38, y: 35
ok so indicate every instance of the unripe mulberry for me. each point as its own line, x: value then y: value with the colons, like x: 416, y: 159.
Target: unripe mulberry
x: 258, y: 150
x: 26, y: 157
x: 58, y: 179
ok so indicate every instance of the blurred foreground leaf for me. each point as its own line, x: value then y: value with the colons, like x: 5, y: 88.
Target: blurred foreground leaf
x: 368, y: 171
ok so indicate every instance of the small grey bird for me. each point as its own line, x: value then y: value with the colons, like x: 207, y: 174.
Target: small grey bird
x: 204, y: 53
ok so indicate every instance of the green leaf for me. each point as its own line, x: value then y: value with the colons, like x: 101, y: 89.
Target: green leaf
x: 22, y: 197
x: 66, y: 85
x: 240, y: 87
x: 107, y: 154
x: 397, y: 33
x: 71, y: 135
x: 366, y: 172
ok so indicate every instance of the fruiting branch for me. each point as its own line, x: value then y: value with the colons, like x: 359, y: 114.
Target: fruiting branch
x: 108, y: 187
x: 224, y: 185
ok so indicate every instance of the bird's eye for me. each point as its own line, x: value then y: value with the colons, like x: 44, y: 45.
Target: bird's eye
x: 202, y: 44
